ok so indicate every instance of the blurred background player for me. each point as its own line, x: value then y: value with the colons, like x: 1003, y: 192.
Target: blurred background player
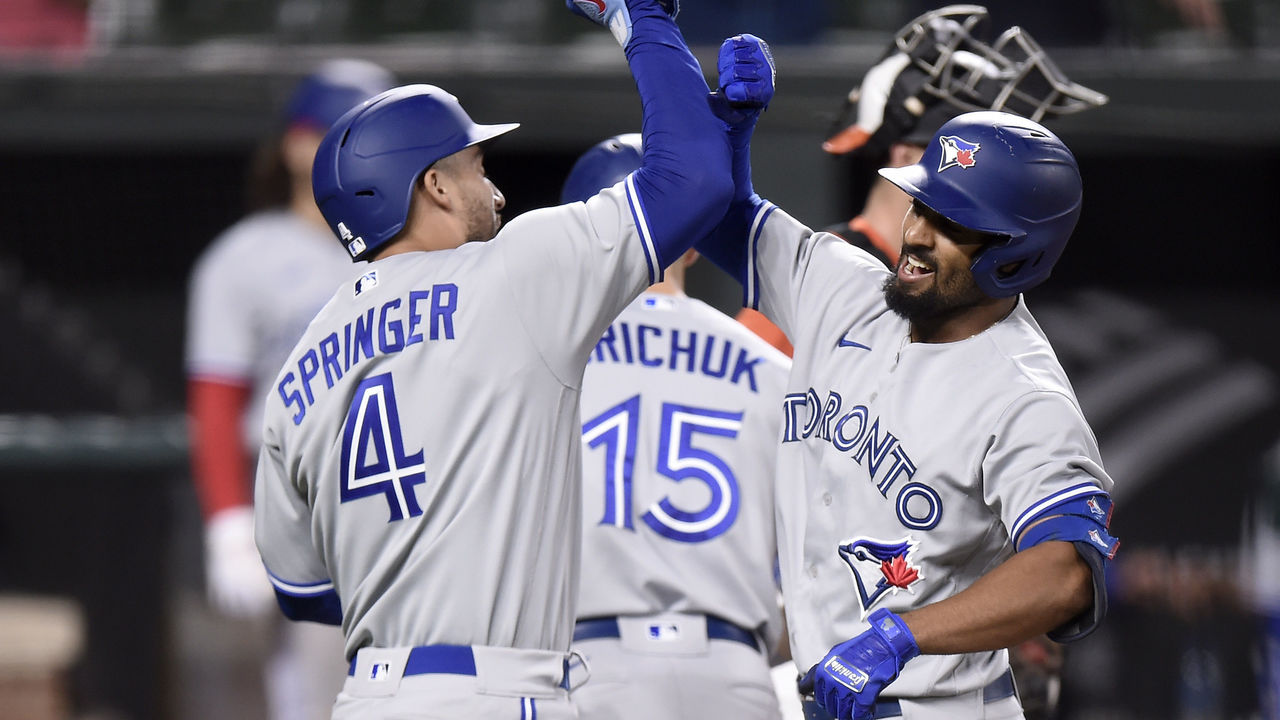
x: 252, y: 293
x: 678, y: 612
x: 940, y: 65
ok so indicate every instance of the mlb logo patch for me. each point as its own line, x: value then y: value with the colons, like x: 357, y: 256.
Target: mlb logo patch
x: 380, y: 672
x: 957, y: 152
x: 664, y: 631
x: 367, y: 281
x: 355, y: 245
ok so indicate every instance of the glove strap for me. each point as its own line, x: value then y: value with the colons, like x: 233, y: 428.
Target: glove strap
x: 895, y: 632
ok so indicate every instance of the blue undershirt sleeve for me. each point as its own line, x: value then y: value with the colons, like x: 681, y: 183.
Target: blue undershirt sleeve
x: 683, y: 184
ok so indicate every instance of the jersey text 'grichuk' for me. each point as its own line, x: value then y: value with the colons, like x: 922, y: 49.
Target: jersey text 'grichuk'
x: 657, y: 347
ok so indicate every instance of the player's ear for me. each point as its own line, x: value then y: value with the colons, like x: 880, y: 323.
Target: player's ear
x: 436, y: 186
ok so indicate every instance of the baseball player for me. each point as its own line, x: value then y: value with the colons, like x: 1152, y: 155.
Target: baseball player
x: 252, y: 293
x: 935, y: 68
x: 678, y: 607
x: 949, y: 497
x: 421, y: 476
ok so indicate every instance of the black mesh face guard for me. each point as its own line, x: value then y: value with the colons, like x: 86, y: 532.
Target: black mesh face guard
x: 1013, y: 74
x: 938, y: 67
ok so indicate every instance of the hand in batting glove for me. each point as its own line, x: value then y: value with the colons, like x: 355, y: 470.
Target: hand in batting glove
x: 236, y: 580
x: 615, y: 15
x: 747, y: 76
x: 849, y: 679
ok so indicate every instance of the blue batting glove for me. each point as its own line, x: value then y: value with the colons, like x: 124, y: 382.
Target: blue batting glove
x: 614, y: 14
x: 850, y: 678
x: 747, y: 71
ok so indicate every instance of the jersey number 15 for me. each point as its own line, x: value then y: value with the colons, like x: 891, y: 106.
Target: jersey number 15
x: 616, y: 430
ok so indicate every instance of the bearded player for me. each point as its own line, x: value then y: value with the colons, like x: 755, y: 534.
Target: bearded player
x: 949, y: 499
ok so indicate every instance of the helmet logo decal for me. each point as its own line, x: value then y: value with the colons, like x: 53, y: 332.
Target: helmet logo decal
x: 957, y: 152
x: 355, y: 245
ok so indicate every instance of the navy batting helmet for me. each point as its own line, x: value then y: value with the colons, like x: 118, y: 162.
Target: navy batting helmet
x: 367, y: 164
x: 1005, y: 175
x: 335, y: 87
x: 602, y: 166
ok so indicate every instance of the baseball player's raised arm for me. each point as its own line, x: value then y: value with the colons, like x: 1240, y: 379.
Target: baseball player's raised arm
x: 768, y: 251
x: 282, y: 527
x: 604, y: 252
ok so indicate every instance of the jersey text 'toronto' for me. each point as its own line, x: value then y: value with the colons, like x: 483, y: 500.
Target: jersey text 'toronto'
x: 390, y: 328
x: 645, y: 345
x: 856, y: 432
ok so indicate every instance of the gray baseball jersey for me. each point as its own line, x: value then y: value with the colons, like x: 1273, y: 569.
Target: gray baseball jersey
x: 910, y: 465
x: 422, y: 445
x: 680, y: 431
x: 253, y: 292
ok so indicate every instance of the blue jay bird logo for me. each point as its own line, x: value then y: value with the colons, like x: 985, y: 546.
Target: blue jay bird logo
x: 892, y: 559
x: 957, y: 152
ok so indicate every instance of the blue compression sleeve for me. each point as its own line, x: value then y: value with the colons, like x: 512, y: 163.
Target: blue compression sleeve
x: 728, y: 243
x: 681, y: 189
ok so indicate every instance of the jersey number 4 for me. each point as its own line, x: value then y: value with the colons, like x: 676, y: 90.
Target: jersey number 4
x: 616, y: 430
x: 374, y: 461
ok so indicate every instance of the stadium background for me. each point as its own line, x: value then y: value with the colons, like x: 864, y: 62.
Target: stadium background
x: 126, y: 127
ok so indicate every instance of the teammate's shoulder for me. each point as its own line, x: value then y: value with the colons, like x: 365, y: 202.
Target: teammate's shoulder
x: 739, y: 333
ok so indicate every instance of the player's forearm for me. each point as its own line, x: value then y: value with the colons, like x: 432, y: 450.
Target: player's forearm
x: 684, y: 183
x: 219, y: 462
x: 1031, y: 593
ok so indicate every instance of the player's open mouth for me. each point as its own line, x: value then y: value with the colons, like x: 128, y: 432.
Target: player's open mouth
x: 911, y: 269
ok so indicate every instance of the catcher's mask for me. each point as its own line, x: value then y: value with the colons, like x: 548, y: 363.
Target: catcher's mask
x: 937, y: 67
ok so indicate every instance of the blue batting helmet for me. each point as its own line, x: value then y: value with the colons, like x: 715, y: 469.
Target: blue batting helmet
x: 1005, y: 175
x: 602, y: 166
x: 335, y: 87
x: 367, y: 164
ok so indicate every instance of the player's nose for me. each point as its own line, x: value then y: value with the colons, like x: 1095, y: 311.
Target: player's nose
x: 499, y: 200
x: 916, y: 230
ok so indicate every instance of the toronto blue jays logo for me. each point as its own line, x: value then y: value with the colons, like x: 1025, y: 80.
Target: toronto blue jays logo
x: 892, y: 560
x: 957, y: 152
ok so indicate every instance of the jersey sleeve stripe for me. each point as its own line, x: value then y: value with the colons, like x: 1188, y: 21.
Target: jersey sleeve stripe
x: 646, y: 238
x: 301, y: 590
x: 1034, y: 511
x: 752, y: 288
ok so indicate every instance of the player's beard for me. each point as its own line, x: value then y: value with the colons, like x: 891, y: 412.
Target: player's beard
x: 956, y: 294
x: 483, y: 220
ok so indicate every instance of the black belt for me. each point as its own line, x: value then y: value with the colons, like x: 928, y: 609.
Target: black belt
x: 717, y: 629
x: 998, y: 689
